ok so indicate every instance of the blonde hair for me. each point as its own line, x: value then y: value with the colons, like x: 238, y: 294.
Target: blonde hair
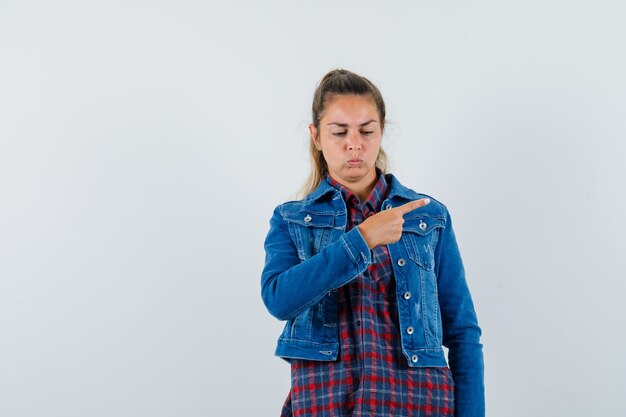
x: 340, y: 82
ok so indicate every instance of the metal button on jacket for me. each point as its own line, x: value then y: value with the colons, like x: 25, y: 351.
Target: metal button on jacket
x: 401, y: 262
x: 414, y: 358
x: 409, y: 330
x: 423, y: 225
x: 307, y: 218
x: 407, y: 295
x: 388, y: 206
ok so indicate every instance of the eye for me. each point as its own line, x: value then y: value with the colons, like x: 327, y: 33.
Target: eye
x: 339, y: 133
x: 367, y: 132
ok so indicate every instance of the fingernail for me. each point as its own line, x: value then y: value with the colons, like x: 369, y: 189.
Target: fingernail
x: 426, y: 200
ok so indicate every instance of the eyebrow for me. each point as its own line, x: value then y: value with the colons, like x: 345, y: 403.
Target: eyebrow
x: 346, y: 125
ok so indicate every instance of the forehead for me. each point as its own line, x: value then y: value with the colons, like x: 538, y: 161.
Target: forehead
x: 350, y: 108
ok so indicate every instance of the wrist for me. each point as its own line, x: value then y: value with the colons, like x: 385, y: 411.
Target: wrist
x: 365, y: 235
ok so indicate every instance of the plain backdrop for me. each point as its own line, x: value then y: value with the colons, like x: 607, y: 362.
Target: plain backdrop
x: 144, y: 145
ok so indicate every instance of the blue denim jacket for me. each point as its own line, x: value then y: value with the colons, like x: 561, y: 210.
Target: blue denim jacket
x: 309, y: 255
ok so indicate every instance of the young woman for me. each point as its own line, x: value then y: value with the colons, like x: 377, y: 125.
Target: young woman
x: 368, y: 277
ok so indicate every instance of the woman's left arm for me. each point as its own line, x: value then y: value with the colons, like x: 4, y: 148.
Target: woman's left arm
x: 461, y: 333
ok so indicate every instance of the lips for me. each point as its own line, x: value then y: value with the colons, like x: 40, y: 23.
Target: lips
x: 355, y: 161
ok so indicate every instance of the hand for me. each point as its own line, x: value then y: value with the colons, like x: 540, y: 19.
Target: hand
x: 386, y: 226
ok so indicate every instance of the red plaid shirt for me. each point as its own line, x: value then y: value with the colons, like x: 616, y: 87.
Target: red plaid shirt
x: 371, y: 376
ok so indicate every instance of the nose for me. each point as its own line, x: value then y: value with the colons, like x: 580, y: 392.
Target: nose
x: 353, y: 142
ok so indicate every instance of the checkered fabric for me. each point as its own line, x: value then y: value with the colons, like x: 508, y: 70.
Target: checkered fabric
x: 371, y: 377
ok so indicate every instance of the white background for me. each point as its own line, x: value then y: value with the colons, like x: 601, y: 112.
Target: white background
x: 144, y: 145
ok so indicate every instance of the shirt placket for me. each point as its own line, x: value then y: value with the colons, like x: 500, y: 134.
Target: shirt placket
x: 356, y: 218
x: 366, y: 304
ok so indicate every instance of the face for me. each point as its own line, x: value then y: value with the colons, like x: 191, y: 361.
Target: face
x: 349, y: 137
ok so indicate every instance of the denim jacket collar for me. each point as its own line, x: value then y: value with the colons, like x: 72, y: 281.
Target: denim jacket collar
x: 395, y: 190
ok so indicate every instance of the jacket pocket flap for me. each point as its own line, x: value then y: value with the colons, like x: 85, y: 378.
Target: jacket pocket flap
x: 308, y: 219
x: 422, y: 225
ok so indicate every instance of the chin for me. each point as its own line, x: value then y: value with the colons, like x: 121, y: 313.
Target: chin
x: 356, y: 173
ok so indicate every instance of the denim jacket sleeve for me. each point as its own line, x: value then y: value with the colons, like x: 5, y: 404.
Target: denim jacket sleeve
x: 290, y: 285
x: 461, y: 333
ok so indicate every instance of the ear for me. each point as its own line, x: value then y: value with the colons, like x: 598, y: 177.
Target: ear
x: 313, y: 132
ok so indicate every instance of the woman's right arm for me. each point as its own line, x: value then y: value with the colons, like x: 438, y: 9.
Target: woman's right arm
x: 290, y: 285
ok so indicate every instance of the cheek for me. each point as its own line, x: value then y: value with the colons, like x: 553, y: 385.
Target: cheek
x: 332, y: 150
x: 331, y: 156
x: 374, y: 147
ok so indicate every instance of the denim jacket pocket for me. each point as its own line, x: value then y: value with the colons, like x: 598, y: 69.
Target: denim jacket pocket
x: 420, y: 235
x: 310, y: 231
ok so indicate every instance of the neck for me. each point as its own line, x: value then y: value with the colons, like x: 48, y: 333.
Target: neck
x: 363, y: 187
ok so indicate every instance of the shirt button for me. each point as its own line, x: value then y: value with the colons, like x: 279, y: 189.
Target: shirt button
x: 401, y: 262
x: 407, y: 295
x: 409, y: 330
x: 414, y: 358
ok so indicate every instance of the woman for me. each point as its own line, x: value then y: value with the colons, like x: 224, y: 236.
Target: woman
x: 368, y: 277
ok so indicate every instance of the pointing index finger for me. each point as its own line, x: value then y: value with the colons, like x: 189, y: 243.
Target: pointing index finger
x: 412, y: 205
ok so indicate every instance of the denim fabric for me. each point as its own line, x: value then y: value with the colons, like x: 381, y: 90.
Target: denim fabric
x: 309, y: 255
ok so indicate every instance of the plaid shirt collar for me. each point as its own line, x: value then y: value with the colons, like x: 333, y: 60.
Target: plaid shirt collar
x: 373, y: 202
